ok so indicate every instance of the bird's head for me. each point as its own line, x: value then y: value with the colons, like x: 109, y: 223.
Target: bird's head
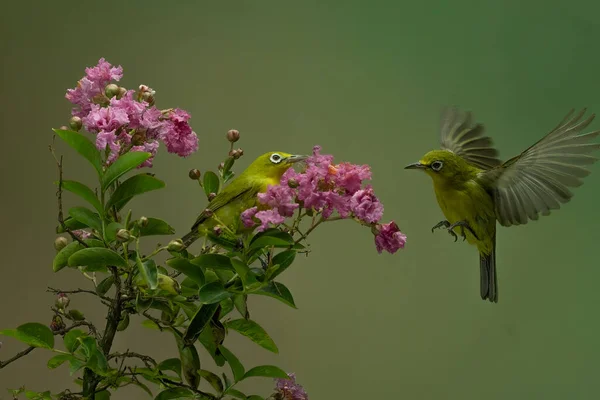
x: 274, y: 164
x: 443, y: 166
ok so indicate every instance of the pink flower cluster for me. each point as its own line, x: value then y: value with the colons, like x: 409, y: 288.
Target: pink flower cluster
x: 289, y: 389
x: 326, y: 188
x: 124, y: 123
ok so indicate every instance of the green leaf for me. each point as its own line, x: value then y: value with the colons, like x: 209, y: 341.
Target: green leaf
x: 266, y: 371
x: 71, y: 339
x: 210, y: 343
x: 122, y: 165
x: 84, y: 192
x: 197, y: 324
x: 156, y: 226
x: 171, y: 364
x: 59, y: 359
x: 83, y: 146
x: 87, y: 217
x: 188, y: 269
x: 247, y: 277
x: 110, y: 232
x: 213, y: 292
x: 103, y: 395
x: 226, y: 307
x: 33, y: 334
x: 236, y: 366
x: 148, y: 271
x: 241, y: 304
x: 271, y: 237
x: 134, y: 186
x: 76, y: 315
x: 97, y: 257
x: 278, y: 291
x: 150, y: 324
x: 282, y: 260
x: 190, y: 360
x: 71, y: 224
x: 227, y: 165
x: 213, y: 379
x: 61, y: 259
x: 211, y: 183
x: 105, y: 285
x: 175, y: 393
x: 236, y: 393
x: 213, y: 261
x: 254, y: 332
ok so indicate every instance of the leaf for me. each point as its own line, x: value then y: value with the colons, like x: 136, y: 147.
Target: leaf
x: 271, y: 237
x: 171, y: 364
x: 59, y: 359
x: 197, y: 324
x: 266, y: 371
x: 71, y: 339
x: 188, y: 269
x: 213, y: 261
x: 105, y: 285
x: 210, y: 343
x: 156, y: 226
x: 213, y: 379
x: 240, y: 302
x: 71, y: 224
x: 254, y: 332
x: 226, y: 307
x: 247, y: 277
x: 236, y: 393
x: 190, y: 360
x: 61, y: 259
x: 33, y: 334
x: 213, y: 292
x: 211, y: 183
x: 83, y: 146
x: 147, y: 323
x: 84, y: 192
x: 283, y: 260
x: 122, y: 165
x: 110, y: 232
x: 175, y: 393
x: 227, y: 165
x: 97, y: 257
x: 103, y: 395
x: 278, y: 291
x: 236, y: 366
x: 134, y: 186
x: 87, y: 217
x: 148, y: 271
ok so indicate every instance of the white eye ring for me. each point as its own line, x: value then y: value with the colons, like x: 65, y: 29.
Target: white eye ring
x: 437, y: 165
x: 275, y: 158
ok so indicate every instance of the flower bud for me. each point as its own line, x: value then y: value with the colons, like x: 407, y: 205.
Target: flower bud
x: 238, y: 154
x: 217, y: 230
x: 175, y: 245
x: 143, y: 222
x: 211, y: 196
x: 292, y: 183
x: 208, y: 212
x: 111, y: 90
x: 168, y: 284
x: 375, y: 229
x: 62, y: 301
x: 123, y: 235
x: 195, y: 174
x: 139, y: 137
x: 233, y: 135
x: 75, y: 123
x: 57, y: 324
x: 148, y: 98
x: 221, y: 166
x: 76, y: 315
x: 124, y: 323
x: 60, y: 243
x: 64, y: 128
x: 121, y: 93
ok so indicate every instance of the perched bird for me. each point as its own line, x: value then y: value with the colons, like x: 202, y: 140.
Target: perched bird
x: 226, y: 208
x: 474, y: 189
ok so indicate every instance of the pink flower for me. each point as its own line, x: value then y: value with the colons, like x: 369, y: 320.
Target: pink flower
x: 248, y: 217
x: 104, y: 72
x: 389, y: 238
x: 350, y: 176
x: 178, y: 135
x: 366, y: 206
x: 289, y: 389
x: 266, y: 218
x: 281, y: 198
x: 149, y: 147
x: 132, y: 108
x: 105, y: 119
x: 81, y: 234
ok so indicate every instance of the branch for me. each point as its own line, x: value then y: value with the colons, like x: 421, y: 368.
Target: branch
x: 149, y: 361
x: 57, y: 291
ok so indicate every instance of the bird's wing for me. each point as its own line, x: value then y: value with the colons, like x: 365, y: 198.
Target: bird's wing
x: 538, y: 180
x: 229, y: 194
x: 460, y: 136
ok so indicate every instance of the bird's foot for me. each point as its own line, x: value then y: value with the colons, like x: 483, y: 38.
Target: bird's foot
x: 444, y: 224
x: 463, y: 225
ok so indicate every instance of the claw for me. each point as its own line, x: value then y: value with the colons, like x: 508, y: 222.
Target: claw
x: 441, y: 224
x: 463, y: 225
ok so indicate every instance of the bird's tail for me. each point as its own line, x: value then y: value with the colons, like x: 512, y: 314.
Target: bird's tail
x: 487, y: 272
x: 190, y: 237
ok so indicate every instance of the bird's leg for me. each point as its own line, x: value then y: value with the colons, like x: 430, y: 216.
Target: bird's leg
x: 463, y: 225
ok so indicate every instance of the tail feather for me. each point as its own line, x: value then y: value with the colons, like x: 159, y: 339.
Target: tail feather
x: 488, y: 276
x: 190, y: 237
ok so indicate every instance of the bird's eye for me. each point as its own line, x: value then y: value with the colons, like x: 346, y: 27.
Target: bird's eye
x: 437, y: 165
x: 275, y: 158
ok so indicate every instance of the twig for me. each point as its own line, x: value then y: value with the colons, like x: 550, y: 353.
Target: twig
x: 56, y: 291
x: 149, y: 361
x: 155, y: 320
x: 16, y: 356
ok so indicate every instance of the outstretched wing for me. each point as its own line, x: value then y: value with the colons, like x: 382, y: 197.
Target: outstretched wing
x: 460, y: 136
x: 538, y: 180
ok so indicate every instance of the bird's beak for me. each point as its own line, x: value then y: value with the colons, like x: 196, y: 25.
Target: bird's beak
x: 415, y: 166
x: 295, y: 158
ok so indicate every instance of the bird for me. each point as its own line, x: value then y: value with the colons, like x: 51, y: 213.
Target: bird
x: 226, y: 207
x: 474, y: 189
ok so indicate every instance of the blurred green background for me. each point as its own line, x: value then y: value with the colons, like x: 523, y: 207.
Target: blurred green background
x: 366, y: 80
